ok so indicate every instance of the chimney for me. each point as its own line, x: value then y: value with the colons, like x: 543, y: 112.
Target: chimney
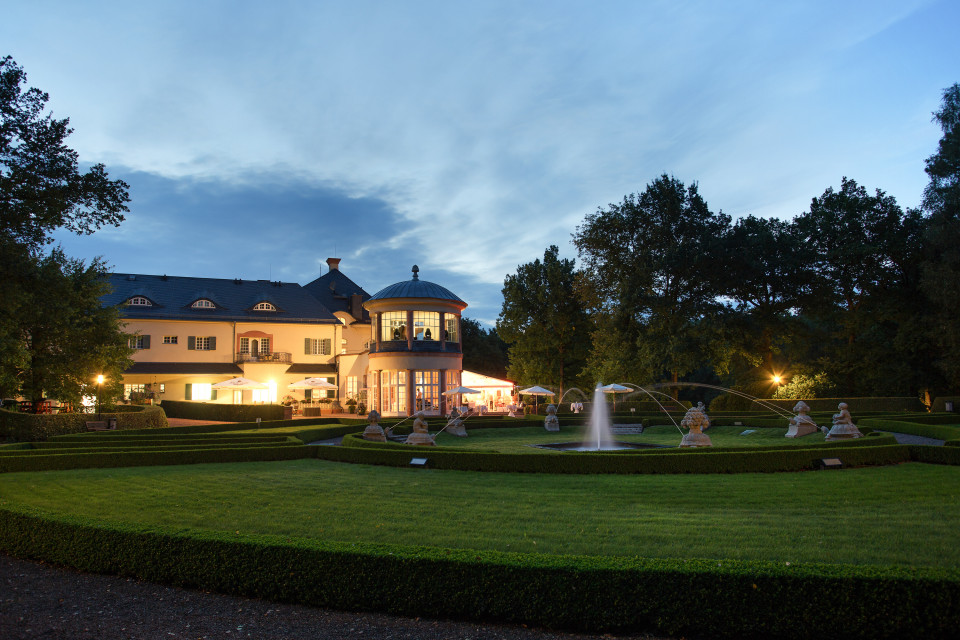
x: 356, y: 306
x: 334, y: 264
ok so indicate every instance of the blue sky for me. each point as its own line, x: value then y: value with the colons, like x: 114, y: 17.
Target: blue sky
x: 261, y: 138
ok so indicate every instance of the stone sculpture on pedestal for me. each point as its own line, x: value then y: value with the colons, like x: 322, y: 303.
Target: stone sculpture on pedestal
x: 696, y: 420
x: 455, y: 425
x: 551, y: 423
x: 374, y: 431
x: 801, y: 424
x: 843, y: 427
x: 420, y: 434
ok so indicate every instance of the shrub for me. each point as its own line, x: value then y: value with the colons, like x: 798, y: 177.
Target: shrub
x: 222, y: 412
x: 29, y: 426
x: 739, y: 599
x: 731, y: 402
x: 939, y: 432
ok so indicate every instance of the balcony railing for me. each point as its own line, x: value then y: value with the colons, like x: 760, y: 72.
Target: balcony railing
x: 276, y: 356
x: 419, y: 346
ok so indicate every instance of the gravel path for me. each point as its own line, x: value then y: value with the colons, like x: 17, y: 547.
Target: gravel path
x: 42, y: 601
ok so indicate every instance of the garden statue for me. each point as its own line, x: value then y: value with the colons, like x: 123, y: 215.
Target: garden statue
x: 551, y: 423
x: 696, y: 420
x: 420, y: 434
x: 801, y: 424
x: 843, y: 427
x: 374, y: 431
x: 455, y: 425
x: 702, y: 409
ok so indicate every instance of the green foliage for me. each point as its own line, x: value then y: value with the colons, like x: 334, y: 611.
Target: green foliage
x: 649, y: 270
x: 41, y: 187
x: 483, y: 349
x: 940, y: 403
x: 941, y: 266
x: 544, y: 322
x: 805, y: 386
x: 222, y: 412
x: 28, y: 426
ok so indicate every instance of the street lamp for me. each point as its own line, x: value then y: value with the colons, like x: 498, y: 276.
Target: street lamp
x: 99, y: 389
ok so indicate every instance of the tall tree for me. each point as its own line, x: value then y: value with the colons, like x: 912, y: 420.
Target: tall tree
x: 483, y: 349
x: 651, y: 265
x: 862, y: 258
x: 67, y: 337
x: 941, y: 268
x: 544, y: 322
x: 54, y: 337
x: 41, y: 186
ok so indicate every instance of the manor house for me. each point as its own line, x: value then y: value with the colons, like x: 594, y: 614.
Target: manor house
x: 396, y: 351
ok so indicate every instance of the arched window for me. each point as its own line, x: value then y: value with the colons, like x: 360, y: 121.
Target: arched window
x: 203, y: 303
x: 139, y: 301
x: 264, y: 306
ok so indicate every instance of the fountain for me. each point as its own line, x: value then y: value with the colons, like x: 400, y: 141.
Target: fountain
x: 599, y: 435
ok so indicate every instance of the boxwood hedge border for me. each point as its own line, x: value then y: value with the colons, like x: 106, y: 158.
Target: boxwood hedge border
x: 677, y: 597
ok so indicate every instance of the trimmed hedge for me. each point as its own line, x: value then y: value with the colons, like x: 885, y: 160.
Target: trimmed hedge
x: 167, y: 456
x: 675, y: 597
x: 659, y: 461
x: 31, y: 427
x: 221, y: 412
x: 939, y: 432
x: 731, y: 402
x: 939, y: 403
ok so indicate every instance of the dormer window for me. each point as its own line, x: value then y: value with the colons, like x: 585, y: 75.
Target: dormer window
x: 139, y: 301
x: 203, y: 303
x: 264, y: 306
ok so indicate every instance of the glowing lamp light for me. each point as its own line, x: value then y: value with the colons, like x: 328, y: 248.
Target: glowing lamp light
x: 776, y: 379
x: 100, y: 379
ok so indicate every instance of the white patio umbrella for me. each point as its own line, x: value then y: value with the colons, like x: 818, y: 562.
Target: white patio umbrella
x: 615, y: 389
x: 239, y: 384
x: 457, y: 391
x: 312, y: 383
x: 536, y: 392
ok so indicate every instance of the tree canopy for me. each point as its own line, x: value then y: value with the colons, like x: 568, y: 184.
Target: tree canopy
x: 55, y: 337
x: 41, y: 186
x: 544, y: 322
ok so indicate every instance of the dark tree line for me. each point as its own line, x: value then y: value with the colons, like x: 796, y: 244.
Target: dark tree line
x: 54, y: 336
x: 855, y: 296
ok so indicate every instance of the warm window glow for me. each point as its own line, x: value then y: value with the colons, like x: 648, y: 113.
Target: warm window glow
x: 202, y: 391
x: 139, y: 301
x: 203, y: 303
x: 394, y: 325
x: 264, y: 306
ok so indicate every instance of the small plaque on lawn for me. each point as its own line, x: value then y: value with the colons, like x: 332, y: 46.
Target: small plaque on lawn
x: 747, y: 432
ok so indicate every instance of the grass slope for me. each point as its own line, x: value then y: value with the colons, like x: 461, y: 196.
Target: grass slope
x: 905, y: 515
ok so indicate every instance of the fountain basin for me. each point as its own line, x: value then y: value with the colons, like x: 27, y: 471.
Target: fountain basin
x: 606, y: 446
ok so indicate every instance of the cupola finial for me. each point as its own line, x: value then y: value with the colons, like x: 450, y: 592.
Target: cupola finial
x: 416, y: 272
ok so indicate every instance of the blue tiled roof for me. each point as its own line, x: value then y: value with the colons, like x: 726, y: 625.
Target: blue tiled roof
x: 416, y: 288
x: 333, y: 290
x: 172, y: 297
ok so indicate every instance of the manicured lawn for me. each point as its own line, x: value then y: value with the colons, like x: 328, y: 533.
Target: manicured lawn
x: 903, y: 515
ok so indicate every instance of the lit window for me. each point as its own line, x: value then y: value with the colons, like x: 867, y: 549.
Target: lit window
x: 318, y: 346
x: 394, y: 325
x: 139, y: 342
x: 453, y: 335
x: 426, y: 325
x: 139, y: 301
x: 264, y: 306
x: 202, y: 343
x: 169, y: 339
x: 202, y: 391
x: 203, y: 303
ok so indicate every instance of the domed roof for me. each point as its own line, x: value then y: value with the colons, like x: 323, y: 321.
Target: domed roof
x: 415, y: 288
